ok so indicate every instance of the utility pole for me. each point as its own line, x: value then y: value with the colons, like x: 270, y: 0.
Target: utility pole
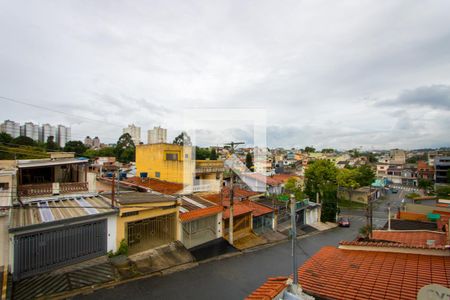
x: 113, y: 189
x: 231, y: 224
x: 389, y: 216
x: 294, y: 238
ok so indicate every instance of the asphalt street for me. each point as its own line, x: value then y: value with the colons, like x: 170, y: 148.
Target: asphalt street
x: 231, y: 278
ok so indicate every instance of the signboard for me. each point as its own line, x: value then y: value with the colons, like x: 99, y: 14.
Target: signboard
x: 433, y: 292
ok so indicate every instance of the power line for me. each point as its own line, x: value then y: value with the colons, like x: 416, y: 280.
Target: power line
x: 55, y: 110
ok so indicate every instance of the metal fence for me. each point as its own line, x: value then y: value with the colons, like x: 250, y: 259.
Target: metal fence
x: 45, y: 250
x: 150, y: 233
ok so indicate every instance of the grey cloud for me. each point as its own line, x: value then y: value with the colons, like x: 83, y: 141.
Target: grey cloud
x: 434, y: 96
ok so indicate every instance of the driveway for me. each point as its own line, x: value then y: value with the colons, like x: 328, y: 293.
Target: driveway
x: 232, y: 278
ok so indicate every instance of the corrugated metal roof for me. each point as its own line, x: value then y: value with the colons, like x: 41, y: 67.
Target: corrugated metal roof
x: 48, y: 162
x: 49, y: 210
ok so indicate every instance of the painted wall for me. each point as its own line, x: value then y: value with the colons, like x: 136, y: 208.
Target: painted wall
x: 152, y: 160
x: 144, y: 213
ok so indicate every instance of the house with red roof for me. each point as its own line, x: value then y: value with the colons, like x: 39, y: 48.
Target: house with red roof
x: 392, y: 265
x: 249, y: 216
x: 200, y: 221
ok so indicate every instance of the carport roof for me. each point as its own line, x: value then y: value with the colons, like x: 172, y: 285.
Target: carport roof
x: 142, y: 197
x: 53, y: 210
x: 32, y: 163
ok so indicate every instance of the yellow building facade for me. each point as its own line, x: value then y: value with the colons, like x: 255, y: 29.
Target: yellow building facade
x: 169, y: 162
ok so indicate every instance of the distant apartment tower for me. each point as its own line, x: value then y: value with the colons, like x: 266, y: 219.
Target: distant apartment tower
x: 96, y: 142
x: 30, y: 130
x: 10, y: 127
x: 88, y: 142
x: 63, y: 135
x: 442, y: 169
x: 47, y: 130
x: 157, y: 135
x: 135, y: 133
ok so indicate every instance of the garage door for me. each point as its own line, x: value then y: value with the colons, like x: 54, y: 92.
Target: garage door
x: 45, y: 250
x: 151, y: 233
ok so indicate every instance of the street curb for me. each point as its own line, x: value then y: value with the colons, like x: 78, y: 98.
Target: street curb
x: 171, y: 270
x: 90, y: 289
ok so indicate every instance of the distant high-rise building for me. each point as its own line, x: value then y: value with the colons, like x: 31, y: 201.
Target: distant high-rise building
x: 47, y: 130
x: 63, y: 135
x: 30, y: 130
x: 10, y: 127
x: 135, y: 133
x: 157, y: 135
x: 96, y: 142
x: 88, y: 142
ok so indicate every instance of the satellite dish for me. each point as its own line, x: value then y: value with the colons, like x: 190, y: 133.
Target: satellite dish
x: 432, y: 292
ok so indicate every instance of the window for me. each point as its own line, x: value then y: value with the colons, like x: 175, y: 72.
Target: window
x: 4, y: 186
x: 186, y: 156
x: 171, y: 156
x: 157, y: 174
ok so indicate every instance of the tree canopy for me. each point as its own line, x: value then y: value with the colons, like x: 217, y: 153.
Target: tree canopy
x: 202, y: 153
x: 213, y: 155
x: 318, y: 176
x: 24, y: 141
x: 182, y: 139
x: 310, y: 149
x: 125, y: 149
x: 75, y: 146
x: 249, y: 161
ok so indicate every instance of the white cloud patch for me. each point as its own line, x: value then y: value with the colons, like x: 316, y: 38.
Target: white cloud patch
x: 312, y: 66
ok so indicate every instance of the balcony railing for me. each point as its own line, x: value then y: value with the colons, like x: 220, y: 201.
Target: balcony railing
x: 208, y: 166
x: 40, y: 189
x: 71, y: 187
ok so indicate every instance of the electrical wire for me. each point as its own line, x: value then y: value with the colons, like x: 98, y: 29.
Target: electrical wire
x: 56, y: 111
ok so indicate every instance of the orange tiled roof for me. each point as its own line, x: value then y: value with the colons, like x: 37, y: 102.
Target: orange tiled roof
x: 352, y: 274
x: 258, y: 209
x: 238, y: 195
x: 239, y: 209
x: 412, y: 216
x: 410, y: 237
x: 200, y: 213
x: 160, y: 186
x: 375, y: 243
x: 271, y: 288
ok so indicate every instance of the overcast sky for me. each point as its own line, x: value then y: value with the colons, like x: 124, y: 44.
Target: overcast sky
x: 338, y: 74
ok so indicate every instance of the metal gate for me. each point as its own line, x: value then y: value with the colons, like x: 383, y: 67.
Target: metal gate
x: 150, y: 233
x: 45, y: 250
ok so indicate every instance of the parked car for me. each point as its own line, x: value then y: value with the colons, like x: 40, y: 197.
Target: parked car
x: 344, y: 222
x: 394, y: 191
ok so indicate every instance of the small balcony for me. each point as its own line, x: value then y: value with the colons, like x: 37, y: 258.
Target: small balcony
x: 55, y: 188
x: 208, y: 166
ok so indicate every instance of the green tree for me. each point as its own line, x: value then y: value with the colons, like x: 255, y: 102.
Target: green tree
x: 366, y: 175
x: 425, y: 184
x: 327, y: 150
x: 249, y: 161
x: 125, y: 149
x: 348, y: 178
x: 24, y: 141
x: 309, y: 149
x: 50, y: 145
x: 202, y: 153
x: 292, y: 187
x: 213, y: 155
x: 5, y: 138
x: 75, y: 146
x: 318, y: 175
x: 183, y: 139
x: 93, y: 153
